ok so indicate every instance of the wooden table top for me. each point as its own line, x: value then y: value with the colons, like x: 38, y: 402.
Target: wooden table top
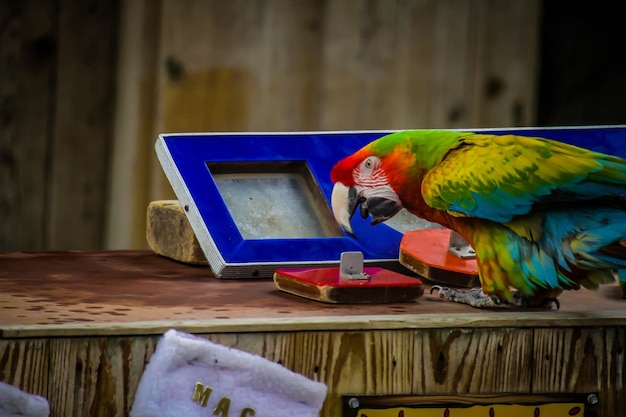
x: 138, y: 292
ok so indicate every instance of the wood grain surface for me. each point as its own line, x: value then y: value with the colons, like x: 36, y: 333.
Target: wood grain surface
x: 27, y: 64
x: 85, y: 83
x: 582, y: 359
x: 209, y: 66
x: 79, y: 328
x: 57, y: 71
x: 126, y: 292
x: 99, y: 375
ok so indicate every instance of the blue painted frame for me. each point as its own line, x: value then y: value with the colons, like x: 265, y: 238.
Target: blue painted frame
x: 184, y: 158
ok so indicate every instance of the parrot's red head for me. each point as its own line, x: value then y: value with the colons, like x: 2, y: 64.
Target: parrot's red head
x: 344, y: 170
x: 369, y: 178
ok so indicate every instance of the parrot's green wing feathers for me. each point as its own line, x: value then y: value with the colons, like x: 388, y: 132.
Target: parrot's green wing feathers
x: 500, y: 177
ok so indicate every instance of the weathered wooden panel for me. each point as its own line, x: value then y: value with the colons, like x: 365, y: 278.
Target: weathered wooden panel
x: 582, y: 360
x: 57, y: 64
x: 410, y: 64
x: 135, y: 129
x: 508, y: 62
x: 73, y: 326
x: 454, y: 100
x: 270, y: 65
x: 219, y: 66
x: 477, y: 361
x: 28, y: 42
x: 414, y: 70
x: 359, y: 62
x: 109, y: 293
x: 289, y: 67
x: 345, y: 65
x: 24, y: 364
x: 82, y: 128
x: 96, y: 376
x: 364, y: 362
x: 100, y: 375
x: 239, y: 65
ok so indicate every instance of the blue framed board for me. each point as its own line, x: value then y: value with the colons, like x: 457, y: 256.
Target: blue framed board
x: 261, y: 201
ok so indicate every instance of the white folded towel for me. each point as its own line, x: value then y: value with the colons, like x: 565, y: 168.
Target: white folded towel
x: 17, y: 403
x: 191, y: 376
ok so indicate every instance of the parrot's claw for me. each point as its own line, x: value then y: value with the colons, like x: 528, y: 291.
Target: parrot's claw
x: 474, y: 297
x: 520, y: 300
x: 551, y: 301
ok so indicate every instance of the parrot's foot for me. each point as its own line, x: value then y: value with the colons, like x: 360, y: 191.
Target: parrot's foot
x: 521, y: 300
x: 474, y: 297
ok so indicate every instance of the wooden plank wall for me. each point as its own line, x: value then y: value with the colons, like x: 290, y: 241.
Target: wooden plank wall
x: 280, y: 65
x: 273, y: 65
x: 86, y: 86
x: 57, y: 67
x: 100, y: 374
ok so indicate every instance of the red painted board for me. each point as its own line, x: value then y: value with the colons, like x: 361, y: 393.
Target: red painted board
x: 425, y: 252
x: 326, y: 285
x: 379, y: 277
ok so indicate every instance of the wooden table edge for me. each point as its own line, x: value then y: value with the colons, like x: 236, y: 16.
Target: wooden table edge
x: 326, y: 323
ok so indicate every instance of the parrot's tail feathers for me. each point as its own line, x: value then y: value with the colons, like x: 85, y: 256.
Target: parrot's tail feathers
x: 601, y: 245
x: 539, y: 264
x: 617, y: 250
x: 593, y: 279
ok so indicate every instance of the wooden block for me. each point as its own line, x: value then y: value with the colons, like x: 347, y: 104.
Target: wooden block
x: 169, y: 233
x: 326, y: 285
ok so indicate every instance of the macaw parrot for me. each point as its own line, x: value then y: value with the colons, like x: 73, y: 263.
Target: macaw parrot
x: 543, y: 216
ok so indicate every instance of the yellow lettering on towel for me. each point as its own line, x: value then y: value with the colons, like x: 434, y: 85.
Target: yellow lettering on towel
x: 222, y: 407
x: 201, y: 394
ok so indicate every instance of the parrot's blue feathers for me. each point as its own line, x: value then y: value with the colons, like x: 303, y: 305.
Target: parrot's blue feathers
x: 575, y: 240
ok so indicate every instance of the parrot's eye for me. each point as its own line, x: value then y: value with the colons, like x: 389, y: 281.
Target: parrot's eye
x: 368, y: 163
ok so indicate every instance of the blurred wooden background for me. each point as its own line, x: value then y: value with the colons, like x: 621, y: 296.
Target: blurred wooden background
x: 86, y: 86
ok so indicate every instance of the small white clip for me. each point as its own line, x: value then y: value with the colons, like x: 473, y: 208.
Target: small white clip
x: 459, y: 247
x: 351, y: 266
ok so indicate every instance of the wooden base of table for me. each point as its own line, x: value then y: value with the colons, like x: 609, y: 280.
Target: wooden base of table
x: 79, y: 328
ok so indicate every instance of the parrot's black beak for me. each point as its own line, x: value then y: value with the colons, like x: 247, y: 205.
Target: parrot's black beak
x: 381, y: 209
x: 345, y: 200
